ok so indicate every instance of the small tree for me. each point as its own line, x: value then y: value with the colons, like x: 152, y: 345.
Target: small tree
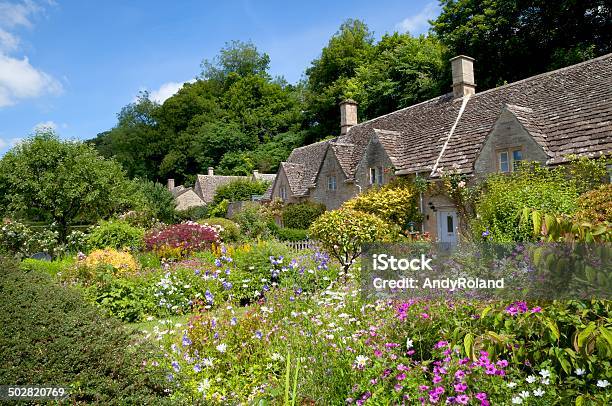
x: 395, y: 203
x: 240, y: 189
x: 343, y: 232
x: 301, y: 215
x: 60, y: 181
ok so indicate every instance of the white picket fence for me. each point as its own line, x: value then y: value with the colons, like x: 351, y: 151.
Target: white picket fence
x: 301, y: 245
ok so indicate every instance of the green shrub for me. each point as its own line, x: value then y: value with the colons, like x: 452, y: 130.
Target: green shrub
x: 596, y: 206
x: 504, y: 196
x: 239, y: 190
x: 49, y: 267
x: 394, y: 203
x: 51, y: 335
x: 252, y: 222
x: 153, y: 199
x: 291, y: 234
x: 230, y: 232
x: 116, y: 234
x: 195, y: 213
x: 19, y: 240
x: 301, y: 215
x: 342, y: 233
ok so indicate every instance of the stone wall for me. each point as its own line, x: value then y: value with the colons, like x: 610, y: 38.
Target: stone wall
x: 374, y: 156
x: 332, y: 199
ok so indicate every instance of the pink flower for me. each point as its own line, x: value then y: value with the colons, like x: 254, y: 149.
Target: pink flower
x: 436, y: 379
x: 536, y: 309
x: 463, y: 399
x: 401, y: 377
x: 459, y: 374
x: 441, y: 344
x: 378, y: 353
x: 398, y: 387
x: 460, y: 387
x: 502, y: 363
x: 481, y: 396
x: 423, y: 387
x: 424, y: 315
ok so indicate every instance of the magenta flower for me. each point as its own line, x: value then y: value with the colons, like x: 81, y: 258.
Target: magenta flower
x: 502, y: 363
x: 481, y: 396
x: 436, y: 379
x: 536, y: 309
x: 460, y: 387
x: 401, y: 377
x: 441, y: 344
x: 423, y: 387
x: 463, y: 399
x: 398, y: 387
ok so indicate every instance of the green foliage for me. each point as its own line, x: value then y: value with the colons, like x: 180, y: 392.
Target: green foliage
x: 230, y: 231
x: 49, y: 334
x: 252, y: 222
x: 402, y: 71
x: 60, y: 181
x: 301, y: 215
x: 595, y: 206
x: 240, y: 190
x: 153, y: 200
x: 116, y: 234
x: 499, y: 33
x: 503, y: 198
x: 239, y: 58
x: 394, y: 203
x: 197, y: 212
x: 51, y: 268
x: 290, y: 234
x: 343, y: 232
x: 19, y: 240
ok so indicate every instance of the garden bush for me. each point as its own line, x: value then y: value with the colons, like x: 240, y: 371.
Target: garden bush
x: 504, y: 196
x: 196, y: 213
x: 252, y: 222
x: 178, y: 240
x: 240, y: 190
x: 49, y: 267
x: 394, y: 203
x: 154, y: 200
x: 342, y: 233
x: 116, y: 234
x: 301, y: 215
x: 51, y: 335
x: 290, y: 234
x: 229, y: 232
x: 596, y: 205
x: 120, y: 262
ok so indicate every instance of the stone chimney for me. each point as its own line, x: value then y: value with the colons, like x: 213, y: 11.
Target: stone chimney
x: 170, y: 184
x: 463, y: 76
x: 348, y: 115
x: 211, y: 171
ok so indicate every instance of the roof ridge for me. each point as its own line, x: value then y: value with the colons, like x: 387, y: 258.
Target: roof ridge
x: 545, y: 74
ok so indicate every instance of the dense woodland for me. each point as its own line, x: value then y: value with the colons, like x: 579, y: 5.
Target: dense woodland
x: 237, y: 117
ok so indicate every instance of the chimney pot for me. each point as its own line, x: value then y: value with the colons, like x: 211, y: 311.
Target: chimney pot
x: 348, y: 115
x: 211, y: 171
x: 463, y: 76
x: 170, y: 184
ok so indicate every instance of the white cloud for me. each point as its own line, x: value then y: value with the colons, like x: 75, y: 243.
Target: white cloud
x: 9, y: 143
x: 419, y: 23
x: 8, y: 42
x: 166, y: 91
x: 20, y: 80
x: 45, y: 125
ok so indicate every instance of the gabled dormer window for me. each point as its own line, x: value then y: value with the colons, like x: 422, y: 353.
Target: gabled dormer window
x: 331, y: 183
x: 282, y: 191
x: 508, y: 159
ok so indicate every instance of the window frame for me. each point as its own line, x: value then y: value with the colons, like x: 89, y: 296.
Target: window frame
x: 376, y: 175
x: 282, y: 192
x: 332, y: 181
x: 511, y: 162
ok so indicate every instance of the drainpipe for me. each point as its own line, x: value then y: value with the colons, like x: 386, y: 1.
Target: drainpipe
x: 422, y: 212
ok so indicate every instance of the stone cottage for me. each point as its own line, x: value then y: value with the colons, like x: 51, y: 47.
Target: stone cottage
x: 543, y: 118
x: 206, y: 186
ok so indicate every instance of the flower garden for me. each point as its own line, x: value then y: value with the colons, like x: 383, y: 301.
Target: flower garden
x: 220, y: 312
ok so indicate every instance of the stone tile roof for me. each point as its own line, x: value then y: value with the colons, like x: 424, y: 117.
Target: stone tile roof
x: 206, y: 185
x: 568, y: 111
x: 344, y: 154
x: 187, y: 199
x: 303, y: 165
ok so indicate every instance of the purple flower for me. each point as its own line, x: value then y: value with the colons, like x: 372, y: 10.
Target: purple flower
x: 481, y: 396
x: 463, y: 399
x: 258, y: 335
x: 460, y: 387
x: 176, y: 366
x: 186, y: 341
x: 485, y: 233
x: 197, y: 368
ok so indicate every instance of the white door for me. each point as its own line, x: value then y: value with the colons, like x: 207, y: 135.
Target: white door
x: 447, y: 226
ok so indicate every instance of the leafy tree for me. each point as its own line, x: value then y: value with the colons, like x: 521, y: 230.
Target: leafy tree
x: 328, y: 75
x: 153, y: 199
x: 239, y: 58
x: 239, y: 190
x: 513, y: 39
x: 60, y: 181
x: 343, y: 232
x: 402, y: 71
x: 301, y: 215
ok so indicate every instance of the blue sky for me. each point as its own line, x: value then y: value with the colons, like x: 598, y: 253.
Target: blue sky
x: 72, y: 65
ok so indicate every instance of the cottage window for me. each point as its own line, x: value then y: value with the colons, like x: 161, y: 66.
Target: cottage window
x: 376, y: 175
x: 508, y: 159
x: 283, y: 192
x: 331, y: 183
